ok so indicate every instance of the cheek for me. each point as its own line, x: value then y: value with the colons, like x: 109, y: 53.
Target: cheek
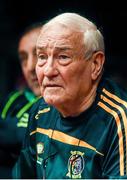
x: 39, y: 73
x: 25, y: 72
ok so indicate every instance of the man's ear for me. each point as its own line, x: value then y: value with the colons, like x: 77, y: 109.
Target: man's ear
x: 98, y: 59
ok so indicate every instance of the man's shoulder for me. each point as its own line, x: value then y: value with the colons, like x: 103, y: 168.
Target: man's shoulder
x: 12, y: 96
x: 14, y: 102
x: 112, y: 89
x: 112, y: 99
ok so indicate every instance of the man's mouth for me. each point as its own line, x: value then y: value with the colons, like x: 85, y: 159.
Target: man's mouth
x: 51, y: 86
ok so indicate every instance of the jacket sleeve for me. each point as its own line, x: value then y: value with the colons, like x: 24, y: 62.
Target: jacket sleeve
x: 25, y: 167
x: 114, y: 165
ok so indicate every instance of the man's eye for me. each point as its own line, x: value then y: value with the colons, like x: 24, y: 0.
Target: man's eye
x: 42, y: 57
x: 63, y: 57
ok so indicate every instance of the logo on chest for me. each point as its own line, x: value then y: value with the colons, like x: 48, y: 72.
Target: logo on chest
x: 75, y: 164
x: 40, y: 150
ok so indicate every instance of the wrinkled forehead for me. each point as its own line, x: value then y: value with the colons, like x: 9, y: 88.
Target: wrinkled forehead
x: 58, y: 35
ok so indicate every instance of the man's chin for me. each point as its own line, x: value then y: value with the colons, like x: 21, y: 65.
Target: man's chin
x: 52, y: 100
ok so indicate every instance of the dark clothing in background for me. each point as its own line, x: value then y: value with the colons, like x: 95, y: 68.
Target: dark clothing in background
x: 14, y: 114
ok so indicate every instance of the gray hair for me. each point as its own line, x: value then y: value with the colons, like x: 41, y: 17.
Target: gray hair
x: 93, y: 39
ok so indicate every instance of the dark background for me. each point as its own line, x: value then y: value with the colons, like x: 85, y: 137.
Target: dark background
x: 109, y: 16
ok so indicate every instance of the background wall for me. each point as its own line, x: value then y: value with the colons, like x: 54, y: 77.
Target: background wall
x: 16, y: 15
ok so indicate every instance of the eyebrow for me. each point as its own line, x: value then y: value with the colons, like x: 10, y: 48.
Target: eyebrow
x: 62, y: 48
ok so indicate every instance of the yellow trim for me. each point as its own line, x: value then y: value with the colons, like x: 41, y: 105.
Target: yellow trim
x: 62, y: 137
x: 124, y: 117
x: 45, y: 110
x: 119, y: 131
x: 115, y: 97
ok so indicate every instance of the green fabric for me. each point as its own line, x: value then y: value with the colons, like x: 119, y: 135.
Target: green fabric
x: 9, y: 103
x: 29, y: 95
x: 84, y: 147
x: 15, y: 111
x: 26, y: 107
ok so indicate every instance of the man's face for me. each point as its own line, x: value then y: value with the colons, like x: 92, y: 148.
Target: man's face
x: 28, y: 59
x: 63, y: 73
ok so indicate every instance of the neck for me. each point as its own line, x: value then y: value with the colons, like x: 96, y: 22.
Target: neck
x: 80, y: 105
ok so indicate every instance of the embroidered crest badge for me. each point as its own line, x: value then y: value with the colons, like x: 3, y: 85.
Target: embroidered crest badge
x: 40, y: 148
x: 75, y: 165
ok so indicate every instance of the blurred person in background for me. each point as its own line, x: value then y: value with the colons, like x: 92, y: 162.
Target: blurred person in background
x: 14, y: 110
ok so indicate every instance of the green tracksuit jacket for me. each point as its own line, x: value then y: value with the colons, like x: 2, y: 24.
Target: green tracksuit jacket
x: 14, y: 113
x: 91, y: 145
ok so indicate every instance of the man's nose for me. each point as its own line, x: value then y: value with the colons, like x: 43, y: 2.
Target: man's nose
x: 50, y: 68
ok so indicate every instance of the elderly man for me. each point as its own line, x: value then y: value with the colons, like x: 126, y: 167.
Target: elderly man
x: 81, y: 132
